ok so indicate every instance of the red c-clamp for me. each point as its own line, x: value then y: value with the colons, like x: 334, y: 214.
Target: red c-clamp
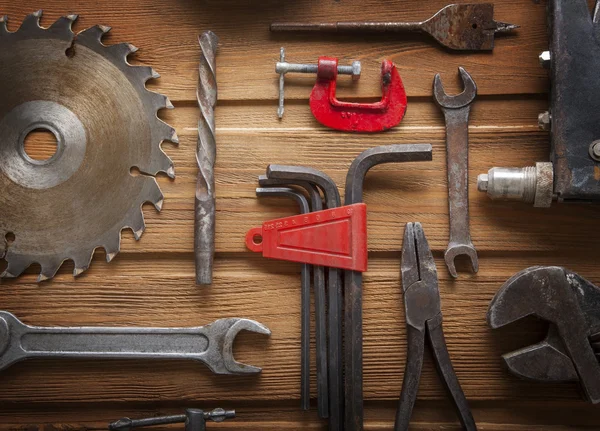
x: 357, y: 117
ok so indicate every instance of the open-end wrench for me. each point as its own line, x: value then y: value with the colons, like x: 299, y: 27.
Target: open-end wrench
x: 287, y: 192
x: 211, y: 344
x: 456, y: 112
x: 334, y: 290
x: 353, y: 279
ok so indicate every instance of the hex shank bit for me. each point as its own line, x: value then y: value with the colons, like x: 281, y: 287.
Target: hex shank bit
x: 206, y: 93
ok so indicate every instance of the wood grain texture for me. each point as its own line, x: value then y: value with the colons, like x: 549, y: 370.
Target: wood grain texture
x: 151, y: 282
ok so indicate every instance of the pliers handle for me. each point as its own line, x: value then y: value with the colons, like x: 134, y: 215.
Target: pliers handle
x: 424, y: 320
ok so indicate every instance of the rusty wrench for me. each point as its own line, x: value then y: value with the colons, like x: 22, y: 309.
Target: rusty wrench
x: 287, y: 192
x: 456, y: 113
x: 334, y: 317
x: 353, y: 279
x: 211, y: 344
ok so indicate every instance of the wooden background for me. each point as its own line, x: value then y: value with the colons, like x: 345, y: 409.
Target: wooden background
x: 151, y: 282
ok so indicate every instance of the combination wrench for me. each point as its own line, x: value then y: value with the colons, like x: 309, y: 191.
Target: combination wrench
x: 211, y: 344
x: 456, y: 113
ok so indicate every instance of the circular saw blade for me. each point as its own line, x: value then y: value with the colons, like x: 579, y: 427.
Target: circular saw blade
x: 105, y: 122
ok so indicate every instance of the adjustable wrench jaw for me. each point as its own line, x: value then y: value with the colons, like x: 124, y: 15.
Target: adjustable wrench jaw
x: 571, y: 305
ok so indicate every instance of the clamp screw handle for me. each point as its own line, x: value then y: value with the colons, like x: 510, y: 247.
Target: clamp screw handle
x: 282, y: 67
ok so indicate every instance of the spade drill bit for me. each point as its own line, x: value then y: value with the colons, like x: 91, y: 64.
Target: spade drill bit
x: 206, y: 93
x: 456, y: 26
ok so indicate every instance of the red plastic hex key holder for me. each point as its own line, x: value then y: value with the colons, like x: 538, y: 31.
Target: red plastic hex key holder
x: 334, y: 237
x: 357, y: 117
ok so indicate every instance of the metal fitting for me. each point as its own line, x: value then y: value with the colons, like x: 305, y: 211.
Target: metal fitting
x: 545, y: 59
x: 531, y: 184
x: 595, y: 150
x: 544, y: 121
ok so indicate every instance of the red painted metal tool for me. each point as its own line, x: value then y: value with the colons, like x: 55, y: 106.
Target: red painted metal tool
x: 357, y: 117
x: 334, y: 237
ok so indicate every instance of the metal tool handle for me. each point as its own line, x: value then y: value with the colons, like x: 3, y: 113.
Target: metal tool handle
x: 412, y: 376
x: 375, y: 27
x: 19, y: 341
x: 457, y: 150
x: 449, y: 379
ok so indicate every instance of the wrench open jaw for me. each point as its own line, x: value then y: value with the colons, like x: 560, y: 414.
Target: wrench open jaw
x: 456, y: 113
x: 211, y: 344
x: 460, y: 100
x: 571, y: 305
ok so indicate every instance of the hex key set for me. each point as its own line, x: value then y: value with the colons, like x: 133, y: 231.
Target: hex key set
x: 108, y: 154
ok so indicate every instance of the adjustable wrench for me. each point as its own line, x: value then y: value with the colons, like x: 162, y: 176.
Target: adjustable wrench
x: 211, y: 344
x: 456, y: 112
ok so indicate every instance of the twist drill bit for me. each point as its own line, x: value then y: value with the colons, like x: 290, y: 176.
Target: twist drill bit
x: 206, y: 93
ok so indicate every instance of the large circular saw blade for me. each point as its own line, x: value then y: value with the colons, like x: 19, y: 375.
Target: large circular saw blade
x: 105, y: 122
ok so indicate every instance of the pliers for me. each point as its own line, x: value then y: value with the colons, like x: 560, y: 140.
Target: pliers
x: 424, y: 320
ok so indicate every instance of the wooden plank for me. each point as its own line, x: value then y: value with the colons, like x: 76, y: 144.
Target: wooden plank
x: 167, y: 35
x: 151, y: 283
x: 244, y: 287
x: 281, y: 415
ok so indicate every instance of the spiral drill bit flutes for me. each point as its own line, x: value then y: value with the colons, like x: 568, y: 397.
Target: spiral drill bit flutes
x: 206, y: 93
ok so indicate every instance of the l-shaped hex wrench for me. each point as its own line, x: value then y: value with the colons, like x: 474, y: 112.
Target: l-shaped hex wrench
x: 211, y: 344
x: 320, y: 300
x: 287, y: 192
x: 353, y: 279
x: 336, y: 378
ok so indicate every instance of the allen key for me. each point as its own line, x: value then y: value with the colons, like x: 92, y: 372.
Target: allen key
x: 316, y: 204
x: 353, y: 279
x: 336, y: 378
x: 286, y: 192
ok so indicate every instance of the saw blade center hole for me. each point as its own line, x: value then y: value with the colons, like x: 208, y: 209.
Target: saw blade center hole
x: 40, y: 144
x: 9, y: 237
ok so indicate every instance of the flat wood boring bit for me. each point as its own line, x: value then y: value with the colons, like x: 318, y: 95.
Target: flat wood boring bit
x: 456, y: 26
x: 206, y: 150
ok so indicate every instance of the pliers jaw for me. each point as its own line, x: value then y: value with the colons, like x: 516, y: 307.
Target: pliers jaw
x: 424, y: 326
x: 419, y: 278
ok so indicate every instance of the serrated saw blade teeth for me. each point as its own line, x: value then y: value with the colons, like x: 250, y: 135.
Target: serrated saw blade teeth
x: 82, y: 262
x: 136, y: 224
x: 108, y: 183
x: 78, y: 271
x: 64, y: 23
x: 154, y: 196
x: 96, y: 33
x: 15, y: 267
x: 159, y: 162
x: 155, y: 74
x: 49, y: 268
x: 160, y: 101
x: 122, y: 50
x: 3, y: 25
x: 32, y: 22
x: 146, y: 73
